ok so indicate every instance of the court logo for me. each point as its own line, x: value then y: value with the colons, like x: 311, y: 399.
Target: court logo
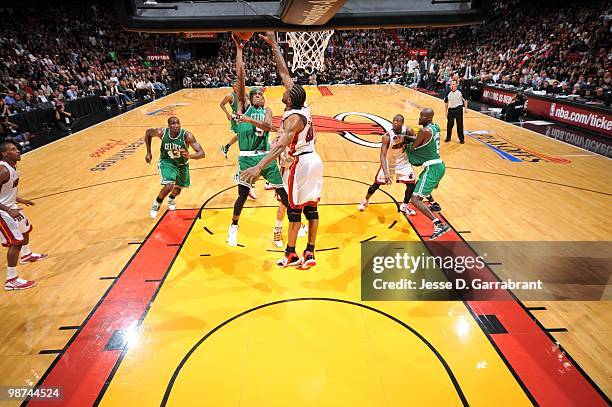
x: 350, y: 130
x: 167, y: 110
x: 107, y: 147
x: 121, y: 155
x: 510, y: 151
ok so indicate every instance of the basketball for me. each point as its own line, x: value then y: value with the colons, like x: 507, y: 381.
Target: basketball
x: 244, y: 36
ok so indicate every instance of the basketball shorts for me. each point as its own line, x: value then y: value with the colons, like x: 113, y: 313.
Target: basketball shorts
x: 305, y: 180
x: 429, y: 179
x: 12, y: 231
x: 271, y: 173
x: 402, y: 173
x: 171, y: 173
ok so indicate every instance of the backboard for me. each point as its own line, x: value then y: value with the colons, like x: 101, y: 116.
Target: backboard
x: 295, y: 15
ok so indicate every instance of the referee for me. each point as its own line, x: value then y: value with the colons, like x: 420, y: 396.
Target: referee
x: 455, y: 104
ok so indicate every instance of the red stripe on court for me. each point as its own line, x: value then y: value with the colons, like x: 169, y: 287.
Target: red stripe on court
x: 325, y: 91
x: 84, y: 367
x: 545, y: 370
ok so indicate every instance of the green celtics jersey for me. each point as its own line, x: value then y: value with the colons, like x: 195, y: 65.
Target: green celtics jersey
x: 251, y: 138
x: 428, y: 151
x: 170, y: 147
x: 234, y: 102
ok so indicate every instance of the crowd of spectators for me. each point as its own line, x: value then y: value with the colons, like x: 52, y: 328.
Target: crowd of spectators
x: 60, y: 51
x: 53, y: 52
x: 557, y: 47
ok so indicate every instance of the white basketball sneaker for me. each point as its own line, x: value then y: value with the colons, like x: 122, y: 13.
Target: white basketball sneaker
x: 171, y: 204
x: 278, y: 237
x: 154, y: 209
x: 407, y: 210
x: 252, y: 193
x: 17, y: 283
x: 363, y: 205
x: 232, y: 236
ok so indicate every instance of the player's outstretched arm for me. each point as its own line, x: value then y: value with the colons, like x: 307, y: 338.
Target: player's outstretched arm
x: 240, y: 80
x: 291, y: 126
x: 283, y: 71
x: 149, y: 134
x: 24, y: 201
x: 384, y: 147
x: 193, y: 143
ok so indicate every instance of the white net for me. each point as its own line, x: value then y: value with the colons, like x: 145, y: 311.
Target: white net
x: 309, y: 49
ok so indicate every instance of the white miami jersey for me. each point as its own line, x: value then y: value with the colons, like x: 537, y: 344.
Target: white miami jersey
x: 304, y: 141
x: 396, y: 154
x: 8, y: 191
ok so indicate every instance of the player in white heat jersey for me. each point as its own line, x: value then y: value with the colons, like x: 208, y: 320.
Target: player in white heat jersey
x: 394, y: 162
x: 305, y: 177
x: 14, y: 226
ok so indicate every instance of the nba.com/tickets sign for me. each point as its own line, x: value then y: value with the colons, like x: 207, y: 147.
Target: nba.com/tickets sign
x: 588, y: 117
x: 596, y: 120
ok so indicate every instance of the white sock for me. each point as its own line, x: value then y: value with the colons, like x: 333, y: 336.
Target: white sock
x: 11, y: 272
x: 25, y: 250
x: 279, y: 223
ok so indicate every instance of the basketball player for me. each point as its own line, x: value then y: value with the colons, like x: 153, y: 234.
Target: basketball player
x: 396, y: 162
x: 253, y: 129
x: 305, y: 178
x: 425, y: 151
x: 173, y: 163
x: 284, y: 162
x: 232, y: 100
x: 393, y: 161
x: 14, y: 226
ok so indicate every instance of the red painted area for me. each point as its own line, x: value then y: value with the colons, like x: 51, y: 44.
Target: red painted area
x: 84, y: 367
x: 548, y: 374
x: 325, y: 91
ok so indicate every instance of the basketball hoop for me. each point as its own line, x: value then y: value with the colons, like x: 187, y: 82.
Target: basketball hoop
x: 309, y: 49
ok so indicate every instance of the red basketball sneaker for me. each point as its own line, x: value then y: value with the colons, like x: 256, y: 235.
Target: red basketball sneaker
x: 308, y: 261
x: 291, y: 259
x: 18, y: 284
x: 32, y: 257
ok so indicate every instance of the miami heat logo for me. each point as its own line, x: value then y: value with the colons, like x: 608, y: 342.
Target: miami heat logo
x: 350, y: 130
x: 377, y: 126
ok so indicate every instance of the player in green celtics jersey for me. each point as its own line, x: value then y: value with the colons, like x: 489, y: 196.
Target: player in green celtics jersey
x: 232, y: 100
x: 173, y: 160
x: 253, y: 127
x: 425, y: 151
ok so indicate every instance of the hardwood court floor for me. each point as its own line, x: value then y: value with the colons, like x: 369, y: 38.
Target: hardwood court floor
x: 93, y: 191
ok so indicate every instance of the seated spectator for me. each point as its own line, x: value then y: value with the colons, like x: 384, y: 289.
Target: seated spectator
x: 514, y: 110
x: 19, y: 106
x: 63, y: 119
x: 10, y: 132
x: 4, y: 108
x: 601, y: 97
x: 565, y: 89
x: 72, y: 93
